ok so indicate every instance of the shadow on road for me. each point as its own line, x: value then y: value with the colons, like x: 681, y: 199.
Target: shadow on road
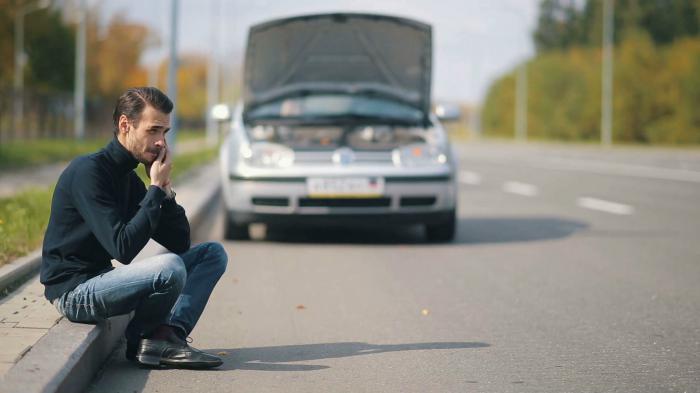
x: 272, y: 358
x: 125, y: 376
x: 469, y: 231
x: 508, y: 230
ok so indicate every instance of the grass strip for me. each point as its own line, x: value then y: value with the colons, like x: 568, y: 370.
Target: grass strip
x: 26, y: 153
x: 19, y: 154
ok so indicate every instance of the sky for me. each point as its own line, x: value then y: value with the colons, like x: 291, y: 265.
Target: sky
x: 474, y: 41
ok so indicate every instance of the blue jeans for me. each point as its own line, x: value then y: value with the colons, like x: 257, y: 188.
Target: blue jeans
x: 165, y: 289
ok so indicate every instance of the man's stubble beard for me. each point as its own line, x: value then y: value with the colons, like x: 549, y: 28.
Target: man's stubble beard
x: 143, y: 157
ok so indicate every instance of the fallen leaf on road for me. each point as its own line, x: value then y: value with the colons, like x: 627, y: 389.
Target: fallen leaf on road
x: 222, y: 353
x: 301, y: 307
x: 425, y: 311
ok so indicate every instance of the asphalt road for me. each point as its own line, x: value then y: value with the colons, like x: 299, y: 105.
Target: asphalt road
x: 574, y: 270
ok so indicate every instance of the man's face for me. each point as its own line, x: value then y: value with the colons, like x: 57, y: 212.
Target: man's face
x: 145, y: 139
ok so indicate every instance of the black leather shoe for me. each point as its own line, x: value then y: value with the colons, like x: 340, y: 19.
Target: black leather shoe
x: 132, y: 347
x: 178, y: 354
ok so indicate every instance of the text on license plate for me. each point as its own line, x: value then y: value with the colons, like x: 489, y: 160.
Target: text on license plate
x: 347, y: 187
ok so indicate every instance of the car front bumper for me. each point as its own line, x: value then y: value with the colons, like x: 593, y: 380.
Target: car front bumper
x: 405, y: 200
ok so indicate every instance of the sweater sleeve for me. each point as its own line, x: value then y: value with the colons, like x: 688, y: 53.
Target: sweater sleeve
x: 173, y: 230
x: 94, y: 198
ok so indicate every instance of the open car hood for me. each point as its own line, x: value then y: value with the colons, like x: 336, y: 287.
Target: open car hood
x: 349, y: 53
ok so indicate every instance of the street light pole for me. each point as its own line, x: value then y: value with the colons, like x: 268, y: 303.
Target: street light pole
x: 79, y: 91
x: 19, y: 68
x: 213, y: 75
x: 607, y: 77
x: 521, y: 103
x: 20, y: 60
x: 172, y: 74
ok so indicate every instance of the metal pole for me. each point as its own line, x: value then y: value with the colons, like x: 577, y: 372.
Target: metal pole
x: 521, y: 103
x: 79, y: 92
x: 172, y: 74
x: 20, y: 60
x: 228, y: 74
x: 475, y: 122
x: 19, y: 77
x: 213, y: 75
x: 607, y: 71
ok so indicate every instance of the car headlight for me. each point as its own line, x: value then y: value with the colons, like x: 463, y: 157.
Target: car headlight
x: 418, y: 155
x: 264, y: 154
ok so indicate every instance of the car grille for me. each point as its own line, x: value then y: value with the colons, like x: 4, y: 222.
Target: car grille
x: 345, y: 202
x: 266, y: 201
x: 326, y: 157
x: 418, y: 201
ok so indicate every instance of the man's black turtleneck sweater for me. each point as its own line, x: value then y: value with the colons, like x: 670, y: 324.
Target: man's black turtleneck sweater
x: 101, y: 211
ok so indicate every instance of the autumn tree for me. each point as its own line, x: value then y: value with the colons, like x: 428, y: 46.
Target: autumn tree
x: 191, y: 85
x: 49, y: 43
x: 113, y: 61
x: 559, y: 25
x: 564, y: 24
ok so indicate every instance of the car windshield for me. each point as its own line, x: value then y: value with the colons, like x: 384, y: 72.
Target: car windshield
x: 332, y: 107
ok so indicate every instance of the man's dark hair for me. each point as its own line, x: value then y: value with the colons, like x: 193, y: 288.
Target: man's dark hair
x: 134, y: 101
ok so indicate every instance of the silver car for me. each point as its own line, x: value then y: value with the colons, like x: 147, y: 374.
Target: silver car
x: 335, y: 128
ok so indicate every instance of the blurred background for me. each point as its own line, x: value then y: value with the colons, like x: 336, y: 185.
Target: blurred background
x: 593, y: 72
x: 575, y: 261
x: 519, y: 68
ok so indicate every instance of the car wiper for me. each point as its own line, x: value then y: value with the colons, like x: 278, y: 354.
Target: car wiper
x: 371, y: 118
x: 353, y: 117
x: 356, y: 118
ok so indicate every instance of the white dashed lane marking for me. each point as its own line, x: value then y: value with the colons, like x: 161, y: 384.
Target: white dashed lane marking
x: 604, y: 206
x: 524, y: 189
x: 471, y: 178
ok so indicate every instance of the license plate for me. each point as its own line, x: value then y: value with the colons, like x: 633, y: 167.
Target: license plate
x: 345, y: 187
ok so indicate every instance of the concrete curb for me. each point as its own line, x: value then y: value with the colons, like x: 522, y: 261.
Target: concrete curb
x: 70, y: 354
x: 66, y: 358
x: 18, y: 270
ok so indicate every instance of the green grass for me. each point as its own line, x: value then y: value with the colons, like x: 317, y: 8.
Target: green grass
x: 595, y: 143
x: 23, y: 220
x: 18, y: 154
x: 23, y: 217
x: 187, y: 134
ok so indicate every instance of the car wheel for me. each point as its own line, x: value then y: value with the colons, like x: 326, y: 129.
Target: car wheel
x: 233, y: 231
x: 442, y: 232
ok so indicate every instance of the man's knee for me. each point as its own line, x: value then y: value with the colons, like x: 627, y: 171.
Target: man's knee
x: 171, y: 272
x: 217, y: 255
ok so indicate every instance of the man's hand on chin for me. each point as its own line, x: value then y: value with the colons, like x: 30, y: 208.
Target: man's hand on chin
x: 159, y: 171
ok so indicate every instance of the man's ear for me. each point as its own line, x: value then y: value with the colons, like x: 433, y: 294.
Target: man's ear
x: 123, y: 124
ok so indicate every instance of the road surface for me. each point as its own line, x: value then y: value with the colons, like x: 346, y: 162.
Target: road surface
x: 574, y: 270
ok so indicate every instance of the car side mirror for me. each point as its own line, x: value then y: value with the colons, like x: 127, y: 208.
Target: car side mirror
x: 448, y: 112
x: 221, y: 112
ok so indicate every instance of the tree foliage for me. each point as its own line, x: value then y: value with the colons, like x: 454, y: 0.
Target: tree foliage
x: 114, y: 53
x: 563, y: 24
x: 191, y: 85
x: 49, y: 44
x: 656, y: 74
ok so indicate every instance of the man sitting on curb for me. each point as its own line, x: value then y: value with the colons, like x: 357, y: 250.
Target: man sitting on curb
x: 100, y: 211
